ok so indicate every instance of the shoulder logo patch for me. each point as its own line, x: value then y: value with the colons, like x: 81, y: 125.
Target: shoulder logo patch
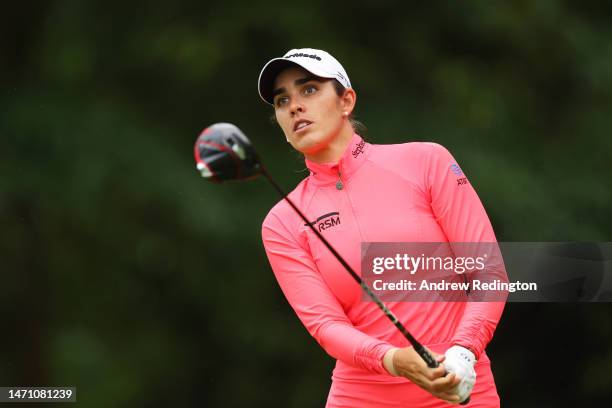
x: 456, y: 169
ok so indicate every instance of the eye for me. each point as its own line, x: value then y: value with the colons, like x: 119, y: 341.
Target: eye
x: 310, y: 89
x: 281, y: 100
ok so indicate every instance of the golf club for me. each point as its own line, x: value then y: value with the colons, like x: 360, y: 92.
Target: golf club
x: 223, y: 153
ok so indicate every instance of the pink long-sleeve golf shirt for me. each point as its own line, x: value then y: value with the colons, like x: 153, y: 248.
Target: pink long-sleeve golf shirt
x: 379, y: 193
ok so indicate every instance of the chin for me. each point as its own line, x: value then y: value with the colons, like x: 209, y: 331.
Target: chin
x: 311, y: 148
x: 312, y: 143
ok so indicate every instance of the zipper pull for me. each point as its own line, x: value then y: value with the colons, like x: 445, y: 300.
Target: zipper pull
x: 339, y: 184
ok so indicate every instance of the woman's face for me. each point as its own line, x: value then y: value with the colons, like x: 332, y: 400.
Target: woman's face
x: 308, y: 110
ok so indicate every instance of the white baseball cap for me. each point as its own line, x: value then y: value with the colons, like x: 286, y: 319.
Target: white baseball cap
x: 317, y: 62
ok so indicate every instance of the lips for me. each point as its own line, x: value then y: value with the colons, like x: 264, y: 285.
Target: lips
x: 301, y: 124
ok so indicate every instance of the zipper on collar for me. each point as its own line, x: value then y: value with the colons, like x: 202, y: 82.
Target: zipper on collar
x: 339, y: 183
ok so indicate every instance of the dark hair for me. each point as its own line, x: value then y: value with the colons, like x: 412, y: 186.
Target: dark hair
x: 358, y: 127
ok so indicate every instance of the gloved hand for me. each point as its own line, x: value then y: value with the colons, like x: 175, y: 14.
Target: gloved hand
x: 460, y: 361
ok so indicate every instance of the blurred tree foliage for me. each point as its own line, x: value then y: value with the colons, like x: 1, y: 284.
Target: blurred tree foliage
x: 125, y: 275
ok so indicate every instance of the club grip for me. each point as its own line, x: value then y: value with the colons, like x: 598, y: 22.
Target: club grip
x: 427, y: 357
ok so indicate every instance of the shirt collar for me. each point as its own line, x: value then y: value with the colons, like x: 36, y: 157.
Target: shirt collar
x: 352, y: 158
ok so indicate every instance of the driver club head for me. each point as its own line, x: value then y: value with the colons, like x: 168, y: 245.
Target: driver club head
x: 222, y: 152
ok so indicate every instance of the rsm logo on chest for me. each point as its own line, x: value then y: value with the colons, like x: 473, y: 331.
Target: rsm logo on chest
x: 326, y: 221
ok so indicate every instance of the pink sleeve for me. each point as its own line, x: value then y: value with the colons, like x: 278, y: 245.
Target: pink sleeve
x: 315, y: 305
x: 461, y: 215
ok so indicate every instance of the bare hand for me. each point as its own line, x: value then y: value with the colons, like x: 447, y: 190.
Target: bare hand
x: 409, y: 364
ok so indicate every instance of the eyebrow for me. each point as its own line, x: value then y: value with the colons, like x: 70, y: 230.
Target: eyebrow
x: 300, y: 81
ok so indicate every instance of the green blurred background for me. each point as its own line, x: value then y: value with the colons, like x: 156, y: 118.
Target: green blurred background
x: 127, y: 276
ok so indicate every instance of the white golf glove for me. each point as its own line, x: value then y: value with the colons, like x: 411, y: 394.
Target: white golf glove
x: 460, y: 361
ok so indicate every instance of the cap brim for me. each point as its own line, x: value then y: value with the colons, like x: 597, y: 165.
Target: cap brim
x: 268, y: 75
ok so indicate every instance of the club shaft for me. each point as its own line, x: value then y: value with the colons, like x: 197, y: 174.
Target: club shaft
x: 418, y: 347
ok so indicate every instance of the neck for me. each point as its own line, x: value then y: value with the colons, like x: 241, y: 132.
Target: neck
x: 335, y: 149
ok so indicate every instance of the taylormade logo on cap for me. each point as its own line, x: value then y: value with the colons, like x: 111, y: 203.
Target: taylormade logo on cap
x: 317, y: 62
x: 301, y: 54
x: 320, y: 63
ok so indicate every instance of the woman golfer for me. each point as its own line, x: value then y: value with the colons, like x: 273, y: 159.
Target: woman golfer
x: 360, y: 192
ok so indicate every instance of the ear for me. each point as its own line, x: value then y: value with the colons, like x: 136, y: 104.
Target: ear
x: 348, y: 100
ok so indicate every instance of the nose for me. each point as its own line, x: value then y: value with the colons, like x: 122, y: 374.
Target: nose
x: 296, y: 107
